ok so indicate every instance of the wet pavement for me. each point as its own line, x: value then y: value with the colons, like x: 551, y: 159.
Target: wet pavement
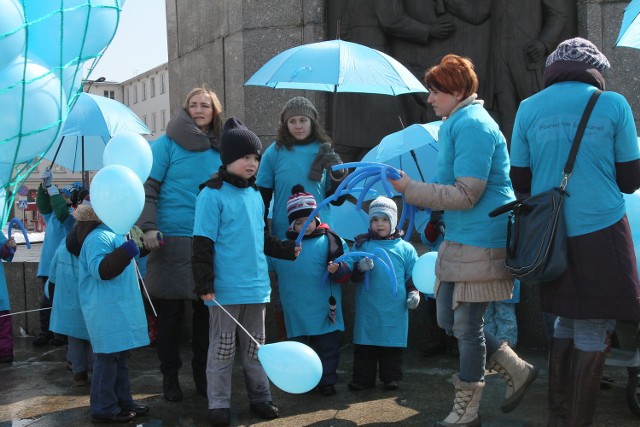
x: 37, y: 390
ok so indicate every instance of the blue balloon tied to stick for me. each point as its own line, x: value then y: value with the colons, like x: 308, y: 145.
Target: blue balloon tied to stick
x: 292, y: 366
x: 24, y: 233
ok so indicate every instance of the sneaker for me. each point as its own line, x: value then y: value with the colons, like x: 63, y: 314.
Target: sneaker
x: 219, y: 417
x: 353, y: 386
x: 327, y: 390
x: 42, y: 338
x: 265, y: 410
x: 391, y: 385
x: 81, y: 379
x: 122, y: 417
x: 138, y: 408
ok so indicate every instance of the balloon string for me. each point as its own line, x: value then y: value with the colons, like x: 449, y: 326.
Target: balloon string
x: 26, y: 311
x: 234, y: 319
x: 141, y: 283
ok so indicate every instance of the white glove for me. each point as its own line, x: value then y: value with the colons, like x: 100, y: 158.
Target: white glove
x: 52, y: 190
x: 365, y: 264
x: 413, y: 299
x: 46, y: 178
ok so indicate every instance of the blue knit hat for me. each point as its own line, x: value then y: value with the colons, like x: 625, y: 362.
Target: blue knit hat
x: 578, y: 49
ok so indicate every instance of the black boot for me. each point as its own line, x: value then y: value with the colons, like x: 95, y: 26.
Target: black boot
x: 586, y: 375
x: 559, y: 372
x: 171, y: 388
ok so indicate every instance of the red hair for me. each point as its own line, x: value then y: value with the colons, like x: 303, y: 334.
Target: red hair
x: 453, y: 74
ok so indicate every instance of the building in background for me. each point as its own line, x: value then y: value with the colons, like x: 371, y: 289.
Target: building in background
x: 146, y: 94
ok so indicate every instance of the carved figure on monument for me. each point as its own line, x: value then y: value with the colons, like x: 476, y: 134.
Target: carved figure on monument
x: 415, y: 32
x: 523, y: 33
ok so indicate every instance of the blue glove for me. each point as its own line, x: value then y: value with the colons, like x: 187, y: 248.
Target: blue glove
x: 130, y: 248
x: 46, y: 178
x: 365, y: 264
x: 413, y: 299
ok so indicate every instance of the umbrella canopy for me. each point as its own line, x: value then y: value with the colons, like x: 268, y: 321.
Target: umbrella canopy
x: 91, y: 123
x: 336, y: 66
x: 630, y: 29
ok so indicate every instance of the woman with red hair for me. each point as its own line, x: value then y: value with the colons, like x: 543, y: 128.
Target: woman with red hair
x: 473, y: 176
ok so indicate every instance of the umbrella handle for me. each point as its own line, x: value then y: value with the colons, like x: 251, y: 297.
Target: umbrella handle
x: 57, y: 150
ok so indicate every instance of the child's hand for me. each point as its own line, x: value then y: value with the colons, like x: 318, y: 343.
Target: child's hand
x: 208, y: 297
x: 333, y: 267
x: 297, y: 251
x: 11, y: 242
x: 365, y: 264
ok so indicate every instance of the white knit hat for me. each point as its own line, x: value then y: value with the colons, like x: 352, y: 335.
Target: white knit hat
x: 384, y: 207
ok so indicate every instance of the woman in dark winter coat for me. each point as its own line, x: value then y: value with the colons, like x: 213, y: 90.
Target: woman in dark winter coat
x: 601, y: 283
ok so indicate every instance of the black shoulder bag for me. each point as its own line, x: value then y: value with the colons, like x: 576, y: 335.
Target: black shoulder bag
x: 536, y: 232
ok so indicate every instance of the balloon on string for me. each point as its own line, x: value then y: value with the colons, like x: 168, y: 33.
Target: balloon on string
x: 117, y: 197
x: 131, y: 150
x: 424, y: 272
x: 12, y: 31
x: 292, y: 366
x: 66, y: 32
x: 31, y: 110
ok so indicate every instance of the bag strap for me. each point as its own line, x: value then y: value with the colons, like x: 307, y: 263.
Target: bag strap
x: 568, y: 167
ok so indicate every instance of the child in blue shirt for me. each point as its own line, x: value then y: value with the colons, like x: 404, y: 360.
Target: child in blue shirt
x: 230, y: 267
x: 112, y: 308
x: 382, y: 318
x: 313, y: 310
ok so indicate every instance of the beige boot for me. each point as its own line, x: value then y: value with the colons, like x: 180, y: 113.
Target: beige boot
x: 516, y: 372
x: 465, y: 404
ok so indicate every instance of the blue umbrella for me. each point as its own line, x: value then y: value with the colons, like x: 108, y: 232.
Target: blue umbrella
x: 630, y: 29
x: 91, y: 123
x: 336, y: 66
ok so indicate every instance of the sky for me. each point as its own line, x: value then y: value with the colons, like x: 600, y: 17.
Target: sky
x: 140, y: 43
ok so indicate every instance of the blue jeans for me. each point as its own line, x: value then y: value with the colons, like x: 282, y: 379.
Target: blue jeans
x: 79, y: 354
x: 587, y: 334
x: 110, y: 389
x: 466, y: 323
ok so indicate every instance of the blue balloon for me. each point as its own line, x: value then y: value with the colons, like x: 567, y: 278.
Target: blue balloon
x: 292, y: 366
x: 424, y: 272
x: 12, y: 31
x: 131, y: 150
x: 117, y: 197
x: 31, y: 110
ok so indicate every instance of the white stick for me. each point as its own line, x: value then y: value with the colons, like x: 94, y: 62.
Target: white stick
x: 237, y: 323
x: 26, y: 311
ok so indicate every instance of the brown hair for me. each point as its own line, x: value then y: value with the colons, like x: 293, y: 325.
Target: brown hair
x: 453, y: 74
x: 216, y: 123
x: 285, y: 139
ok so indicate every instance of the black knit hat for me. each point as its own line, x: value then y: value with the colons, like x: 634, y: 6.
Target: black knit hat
x: 237, y: 141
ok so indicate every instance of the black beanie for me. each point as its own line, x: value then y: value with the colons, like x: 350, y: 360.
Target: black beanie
x: 237, y: 141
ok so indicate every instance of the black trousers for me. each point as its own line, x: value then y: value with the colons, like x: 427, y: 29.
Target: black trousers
x: 327, y: 346
x: 367, y: 359
x: 170, y: 322
x: 45, y: 315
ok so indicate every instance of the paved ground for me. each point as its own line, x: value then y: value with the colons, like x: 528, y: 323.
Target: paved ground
x: 37, y: 391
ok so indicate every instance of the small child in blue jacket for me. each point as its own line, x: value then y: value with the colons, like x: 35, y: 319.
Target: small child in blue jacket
x: 6, y: 326
x: 382, y: 319
x: 313, y: 311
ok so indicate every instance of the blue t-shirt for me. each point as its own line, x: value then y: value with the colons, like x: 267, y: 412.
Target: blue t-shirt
x: 471, y: 146
x: 544, y: 129
x: 56, y: 232
x: 4, y: 293
x: 233, y: 218
x: 281, y: 169
x: 180, y: 173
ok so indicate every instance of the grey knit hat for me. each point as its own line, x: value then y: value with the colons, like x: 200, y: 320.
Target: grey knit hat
x: 299, y: 106
x: 384, y: 207
x: 579, y: 50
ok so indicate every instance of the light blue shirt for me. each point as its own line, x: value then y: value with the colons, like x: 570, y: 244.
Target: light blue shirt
x: 544, y: 129
x: 55, y: 233
x: 180, y: 173
x: 233, y: 218
x: 382, y: 318
x: 112, y: 309
x: 472, y: 146
x: 281, y: 169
